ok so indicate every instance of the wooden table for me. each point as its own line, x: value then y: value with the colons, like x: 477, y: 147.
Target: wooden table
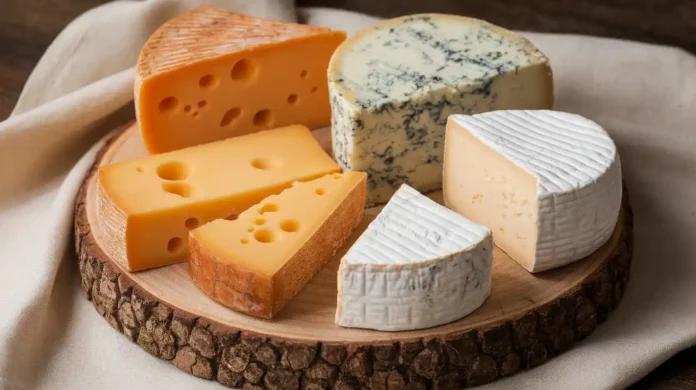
x: 27, y: 27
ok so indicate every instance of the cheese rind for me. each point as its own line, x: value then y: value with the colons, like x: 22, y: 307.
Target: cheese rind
x: 147, y: 206
x: 547, y: 183
x: 257, y: 263
x: 393, y: 85
x: 417, y: 265
x: 209, y: 74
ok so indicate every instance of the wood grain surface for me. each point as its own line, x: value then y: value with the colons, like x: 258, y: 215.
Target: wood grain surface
x: 670, y: 22
x: 527, y: 320
x: 28, y: 26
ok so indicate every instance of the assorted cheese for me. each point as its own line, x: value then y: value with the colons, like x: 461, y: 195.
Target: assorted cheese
x: 257, y: 263
x: 393, y: 86
x: 147, y: 206
x: 417, y: 265
x: 544, y: 186
x: 547, y: 183
x: 210, y: 74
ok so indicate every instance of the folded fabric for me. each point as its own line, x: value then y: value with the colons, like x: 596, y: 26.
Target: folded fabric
x: 51, y: 336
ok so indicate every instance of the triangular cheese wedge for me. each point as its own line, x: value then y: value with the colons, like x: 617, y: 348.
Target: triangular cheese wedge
x: 257, y: 263
x: 147, y: 206
x: 547, y: 183
x: 210, y: 74
x: 417, y: 265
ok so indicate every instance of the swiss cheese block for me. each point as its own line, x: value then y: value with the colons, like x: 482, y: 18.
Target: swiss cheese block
x: 259, y: 262
x: 547, y: 184
x: 147, y: 206
x: 417, y: 265
x: 210, y: 74
x: 393, y: 86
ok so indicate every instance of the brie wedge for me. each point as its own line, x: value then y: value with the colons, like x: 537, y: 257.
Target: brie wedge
x: 547, y: 183
x: 417, y: 265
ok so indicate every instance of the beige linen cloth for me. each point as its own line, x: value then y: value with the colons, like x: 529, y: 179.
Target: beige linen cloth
x: 51, y: 337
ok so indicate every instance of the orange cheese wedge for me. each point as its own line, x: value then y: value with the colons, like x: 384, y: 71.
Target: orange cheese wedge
x: 257, y: 263
x: 209, y: 74
x: 147, y: 206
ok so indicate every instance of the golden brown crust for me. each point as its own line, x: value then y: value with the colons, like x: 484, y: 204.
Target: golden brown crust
x: 229, y: 284
x: 113, y: 222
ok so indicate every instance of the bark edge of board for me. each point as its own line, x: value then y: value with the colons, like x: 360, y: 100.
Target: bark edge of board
x: 243, y: 359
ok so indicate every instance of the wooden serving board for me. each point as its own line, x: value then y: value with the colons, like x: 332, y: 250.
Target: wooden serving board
x: 527, y: 320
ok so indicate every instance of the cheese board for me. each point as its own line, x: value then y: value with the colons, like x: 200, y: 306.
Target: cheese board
x: 527, y: 320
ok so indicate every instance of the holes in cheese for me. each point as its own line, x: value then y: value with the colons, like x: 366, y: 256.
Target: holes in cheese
x: 243, y: 70
x: 208, y: 81
x: 264, y: 236
x: 266, y: 164
x: 230, y: 116
x: 168, y: 104
x: 263, y: 118
x: 174, y: 245
x: 192, y: 223
x: 140, y: 213
x: 239, y: 66
x: 259, y: 221
x: 314, y: 89
x: 269, y: 207
x: 290, y: 225
x: 259, y: 272
x: 320, y: 191
x: 181, y: 189
x: 174, y: 170
x: 202, y: 104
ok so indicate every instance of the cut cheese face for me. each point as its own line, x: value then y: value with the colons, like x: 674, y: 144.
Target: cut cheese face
x: 394, y: 84
x: 547, y: 184
x: 417, y: 265
x: 147, y: 206
x: 259, y: 262
x: 209, y: 74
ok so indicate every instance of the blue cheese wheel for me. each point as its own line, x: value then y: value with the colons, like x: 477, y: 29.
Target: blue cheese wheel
x: 394, y: 84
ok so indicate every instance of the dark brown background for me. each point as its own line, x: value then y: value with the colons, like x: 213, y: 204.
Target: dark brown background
x: 27, y: 27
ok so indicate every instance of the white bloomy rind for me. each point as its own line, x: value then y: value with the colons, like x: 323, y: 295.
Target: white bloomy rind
x: 417, y: 265
x: 578, y: 174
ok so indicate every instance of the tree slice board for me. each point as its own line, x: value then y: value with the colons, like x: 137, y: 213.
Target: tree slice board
x: 527, y: 320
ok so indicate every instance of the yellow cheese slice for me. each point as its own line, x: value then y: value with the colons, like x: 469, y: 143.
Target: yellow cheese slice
x: 259, y: 262
x: 209, y: 74
x: 146, y: 206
